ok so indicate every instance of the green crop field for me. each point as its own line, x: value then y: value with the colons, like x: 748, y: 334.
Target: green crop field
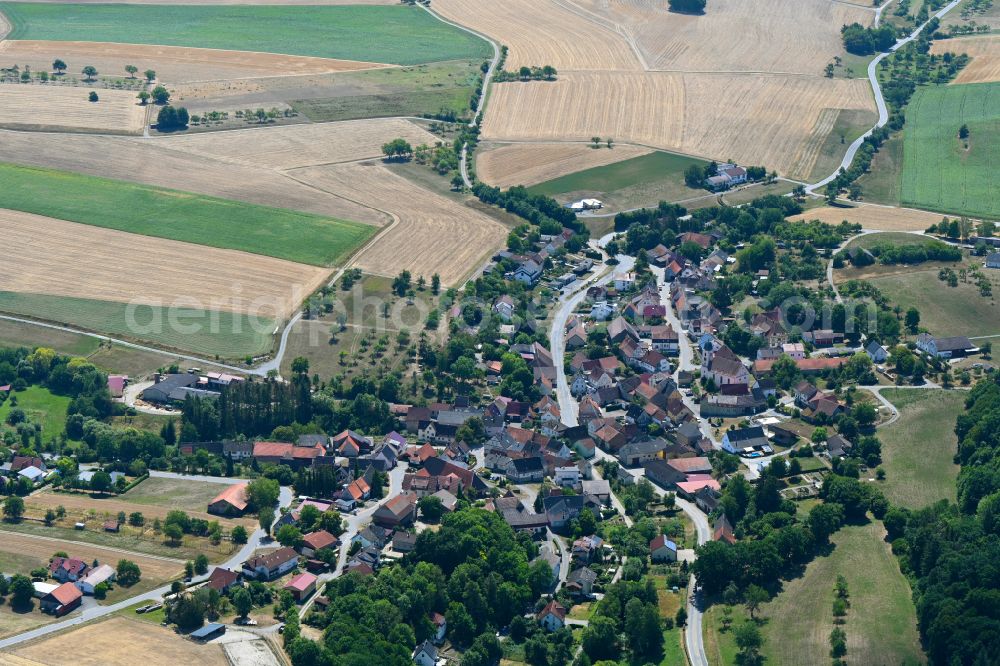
x: 182, y: 216
x: 224, y: 334
x: 640, y: 181
x: 918, y: 450
x: 391, y: 34
x: 939, y: 172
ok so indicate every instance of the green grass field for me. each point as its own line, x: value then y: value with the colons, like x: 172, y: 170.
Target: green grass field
x: 409, y: 91
x: 391, y: 34
x: 19, y: 334
x: 918, y: 449
x: 644, y: 180
x: 41, y: 406
x: 225, y: 334
x: 939, y: 172
x: 882, y: 183
x: 881, y: 623
x: 896, y: 238
x: 182, y: 216
x: 943, y: 310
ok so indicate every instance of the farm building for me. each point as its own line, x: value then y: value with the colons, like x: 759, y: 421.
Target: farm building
x: 230, y: 502
x: 301, y: 586
x: 105, y: 573
x: 62, y: 600
x: 958, y: 345
x: 208, y: 632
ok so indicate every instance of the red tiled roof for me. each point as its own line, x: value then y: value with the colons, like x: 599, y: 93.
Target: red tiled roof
x: 66, y: 594
x: 222, y: 578
x: 234, y: 495
x: 319, y: 539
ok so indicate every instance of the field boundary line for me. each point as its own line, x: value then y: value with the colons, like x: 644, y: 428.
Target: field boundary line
x: 616, y: 28
x: 161, y: 558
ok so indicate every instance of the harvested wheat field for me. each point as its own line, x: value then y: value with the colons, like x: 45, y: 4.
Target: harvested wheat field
x: 529, y: 164
x: 432, y: 234
x: 778, y: 36
x: 150, y: 163
x: 44, y: 107
x: 295, y: 146
x: 876, y: 218
x: 984, y: 51
x: 777, y: 121
x: 544, y: 32
x: 42, y: 548
x: 121, y: 641
x: 59, y: 258
x: 173, y: 64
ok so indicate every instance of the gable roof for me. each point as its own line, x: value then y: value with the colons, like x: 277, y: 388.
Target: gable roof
x: 66, y: 594
x: 234, y: 495
x: 222, y: 578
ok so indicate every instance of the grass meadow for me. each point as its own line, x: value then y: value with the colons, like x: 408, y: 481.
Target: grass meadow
x: 182, y: 216
x: 41, y: 406
x: 234, y: 338
x: 918, y: 449
x: 391, y: 34
x: 644, y: 180
x: 942, y: 172
x: 881, y: 623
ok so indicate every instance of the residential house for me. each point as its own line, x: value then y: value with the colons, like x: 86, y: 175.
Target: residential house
x: 662, y: 549
x: 426, y: 655
x: 795, y: 350
x: 707, y: 499
x: 637, y: 453
x: 440, y: 627
x: 561, y: 509
x: 588, y: 549
x: 823, y: 337
x: 552, y: 617
x: 662, y: 474
x: 735, y: 441
x: 665, y: 339
x: 568, y: 476
x: 876, y: 352
x: 504, y: 307
x: 221, y: 580
x: 68, y: 569
x: 598, y: 488
x: 271, y: 564
x: 529, y: 272
x: 526, y: 470
x: 316, y: 541
x: 580, y: 581
x: 722, y: 530
x: 725, y: 368
x: 283, y: 453
x: 838, y: 446
x: 397, y: 511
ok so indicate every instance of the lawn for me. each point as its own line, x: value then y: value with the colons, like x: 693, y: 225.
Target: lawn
x: 943, y: 310
x: 224, y: 334
x: 940, y: 171
x: 19, y: 334
x: 918, y: 449
x: 640, y: 181
x: 174, y: 493
x: 896, y: 238
x: 41, y: 406
x: 881, y: 624
x: 409, y: 91
x: 391, y: 34
x: 181, y: 216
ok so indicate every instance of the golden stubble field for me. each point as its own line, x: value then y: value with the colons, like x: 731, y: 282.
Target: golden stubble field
x: 173, y: 64
x: 119, y: 641
x: 873, y: 217
x: 431, y: 233
x: 294, y: 146
x: 65, y: 108
x: 532, y: 163
x: 60, y: 258
x: 984, y: 51
x: 776, y: 36
x: 42, y: 549
x: 718, y: 116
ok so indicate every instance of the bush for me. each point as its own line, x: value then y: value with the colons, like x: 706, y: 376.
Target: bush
x: 92, y: 96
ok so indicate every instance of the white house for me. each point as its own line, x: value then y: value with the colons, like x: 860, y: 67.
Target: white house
x: 601, y: 311
x: 876, y: 352
x: 796, y: 350
x: 552, y: 617
x: 504, y: 307
x: 623, y: 281
x: 567, y: 476
x: 426, y: 655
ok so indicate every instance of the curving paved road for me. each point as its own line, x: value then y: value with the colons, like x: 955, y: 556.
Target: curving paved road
x: 883, y: 111
x: 255, y: 541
